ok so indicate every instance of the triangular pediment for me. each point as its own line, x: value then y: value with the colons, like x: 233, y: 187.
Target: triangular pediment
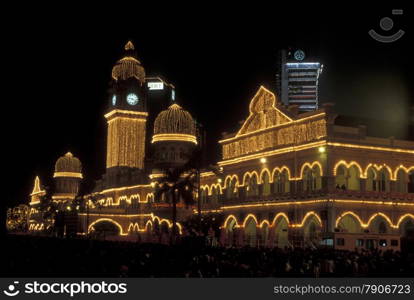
x: 264, y: 113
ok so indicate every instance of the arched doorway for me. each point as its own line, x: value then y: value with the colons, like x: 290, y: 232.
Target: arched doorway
x: 349, y: 224
x: 105, y: 229
x: 379, y: 225
x: 311, y: 231
x: 230, y: 232
x: 250, y: 233
x: 281, y: 239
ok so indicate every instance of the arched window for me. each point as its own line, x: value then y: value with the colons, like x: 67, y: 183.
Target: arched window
x: 340, y: 178
x: 312, y: 179
x: 231, y: 189
x: 402, y: 182
x: 266, y: 184
x: 252, y: 188
x: 353, y: 178
x: 281, y: 182
x: 371, y: 180
x: 383, y: 181
x: 214, y: 195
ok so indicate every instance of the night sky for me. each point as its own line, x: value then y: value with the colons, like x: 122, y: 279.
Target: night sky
x: 58, y: 63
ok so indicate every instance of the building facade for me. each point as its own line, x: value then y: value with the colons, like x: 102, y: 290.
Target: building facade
x: 286, y: 178
x: 298, y: 80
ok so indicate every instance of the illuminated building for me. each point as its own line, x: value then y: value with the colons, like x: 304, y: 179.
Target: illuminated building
x: 67, y: 176
x: 287, y: 178
x: 297, y: 80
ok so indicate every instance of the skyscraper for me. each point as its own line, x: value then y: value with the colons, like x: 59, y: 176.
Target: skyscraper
x: 297, y: 80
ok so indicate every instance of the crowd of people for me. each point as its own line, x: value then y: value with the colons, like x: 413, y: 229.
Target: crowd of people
x: 28, y: 256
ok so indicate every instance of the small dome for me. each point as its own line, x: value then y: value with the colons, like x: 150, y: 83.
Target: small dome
x: 68, y: 163
x: 174, y: 124
x: 128, y: 66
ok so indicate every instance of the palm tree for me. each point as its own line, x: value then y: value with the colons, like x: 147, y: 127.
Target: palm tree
x: 177, y: 184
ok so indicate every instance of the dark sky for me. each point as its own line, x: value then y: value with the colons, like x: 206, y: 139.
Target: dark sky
x: 58, y: 63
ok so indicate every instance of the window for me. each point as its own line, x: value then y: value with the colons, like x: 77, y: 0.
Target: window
x: 340, y: 242
x: 394, y: 243
x: 359, y: 243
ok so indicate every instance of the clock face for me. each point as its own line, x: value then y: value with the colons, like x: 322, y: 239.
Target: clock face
x: 299, y: 55
x: 114, y: 100
x: 132, y: 99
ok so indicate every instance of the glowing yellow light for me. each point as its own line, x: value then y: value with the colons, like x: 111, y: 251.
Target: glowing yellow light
x: 401, y: 167
x: 67, y: 174
x: 403, y: 217
x: 273, y: 204
x: 308, y: 215
x: 37, y: 192
x: 280, y: 215
x: 126, y: 138
x: 250, y: 216
x: 348, y: 165
x: 249, y: 175
x: 207, y: 174
x: 174, y: 137
x: 219, y: 180
x: 371, y: 147
x: 271, y: 153
x: 322, y: 149
x: 126, y: 188
x: 366, y: 225
x: 263, y: 160
x: 230, y: 217
x: 126, y: 113
x: 121, y: 231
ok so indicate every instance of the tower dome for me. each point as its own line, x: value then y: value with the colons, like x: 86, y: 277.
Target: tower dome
x: 129, y: 66
x: 68, y: 166
x: 174, y: 124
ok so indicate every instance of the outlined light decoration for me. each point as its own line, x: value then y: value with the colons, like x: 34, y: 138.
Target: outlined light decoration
x: 174, y: 124
x: 126, y: 139
x: 128, y: 66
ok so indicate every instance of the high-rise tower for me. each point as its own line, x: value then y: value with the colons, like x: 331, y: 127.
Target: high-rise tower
x: 126, y: 117
x: 297, y: 80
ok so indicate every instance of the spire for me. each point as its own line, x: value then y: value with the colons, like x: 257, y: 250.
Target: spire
x: 36, y: 189
x: 129, y: 46
x: 174, y: 106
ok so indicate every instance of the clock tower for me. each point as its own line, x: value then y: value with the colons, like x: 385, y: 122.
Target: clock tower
x: 126, y: 118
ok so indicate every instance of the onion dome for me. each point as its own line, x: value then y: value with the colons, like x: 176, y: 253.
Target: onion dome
x: 68, y: 166
x: 129, y: 66
x: 174, y: 124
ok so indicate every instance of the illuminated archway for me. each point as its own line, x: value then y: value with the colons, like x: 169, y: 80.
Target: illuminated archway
x: 109, y: 221
x: 281, y: 230
x: 349, y: 224
x: 250, y: 231
x: 229, y: 226
x: 265, y: 180
x: 281, y: 183
x: 311, y: 224
x: 311, y: 176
